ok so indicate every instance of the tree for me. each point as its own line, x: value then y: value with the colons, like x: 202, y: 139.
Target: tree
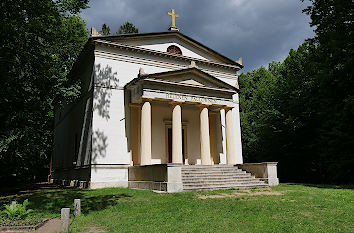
x: 105, y: 30
x: 276, y: 113
x: 257, y: 113
x: 334, y: 28
x: 300, y: 112
x: 40, y: 40
x: 286, y: 117
x: 127, y: 28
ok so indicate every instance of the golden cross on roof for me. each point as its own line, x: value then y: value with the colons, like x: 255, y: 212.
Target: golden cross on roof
x: 173, y: 17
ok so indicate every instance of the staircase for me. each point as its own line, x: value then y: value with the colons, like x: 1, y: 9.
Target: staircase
x: 210, y: 177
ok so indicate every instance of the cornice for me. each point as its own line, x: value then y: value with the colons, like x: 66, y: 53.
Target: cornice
x: 162, y: 64
x: 163, y: 54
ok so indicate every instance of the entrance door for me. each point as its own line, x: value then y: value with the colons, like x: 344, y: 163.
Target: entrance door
x: 169, y: 145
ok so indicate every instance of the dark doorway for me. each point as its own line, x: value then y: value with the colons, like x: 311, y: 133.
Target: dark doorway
x: 169, y: 145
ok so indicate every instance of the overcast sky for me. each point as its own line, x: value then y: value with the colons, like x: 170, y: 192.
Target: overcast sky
x: 259, y: 31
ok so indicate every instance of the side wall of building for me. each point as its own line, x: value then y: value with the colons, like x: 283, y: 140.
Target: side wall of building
x: 72, y: 132
x: 111, y: 141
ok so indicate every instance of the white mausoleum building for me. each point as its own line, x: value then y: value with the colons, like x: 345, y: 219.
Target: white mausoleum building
x: 153, y: 105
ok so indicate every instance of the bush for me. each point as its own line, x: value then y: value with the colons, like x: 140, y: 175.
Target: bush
x: 16, y: 211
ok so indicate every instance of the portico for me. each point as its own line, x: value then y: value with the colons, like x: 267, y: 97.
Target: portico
x: 192, y: 107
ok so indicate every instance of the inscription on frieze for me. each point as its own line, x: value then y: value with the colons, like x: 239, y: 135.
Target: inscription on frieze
x: 185, y: 97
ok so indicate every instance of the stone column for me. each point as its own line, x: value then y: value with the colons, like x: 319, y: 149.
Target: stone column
x: 204, y: 136
x: 230, y: 138
x: 145, y: 143
x: 177, y: 134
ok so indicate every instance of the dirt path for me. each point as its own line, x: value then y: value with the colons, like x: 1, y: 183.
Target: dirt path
x: 53, y: 225
x: 240, y: 193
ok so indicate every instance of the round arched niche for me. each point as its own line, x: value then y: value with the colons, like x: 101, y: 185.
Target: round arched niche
x: 174, y: 49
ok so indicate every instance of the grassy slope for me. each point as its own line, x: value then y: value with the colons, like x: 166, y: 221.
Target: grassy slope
x: 300, y: 209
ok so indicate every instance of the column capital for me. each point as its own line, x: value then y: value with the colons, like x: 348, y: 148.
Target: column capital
x: 147, y: 99
x: 201, y: 106
x: 227, y: 108
x: 176, y: 102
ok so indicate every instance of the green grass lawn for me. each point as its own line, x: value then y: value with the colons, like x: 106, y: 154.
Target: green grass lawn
x: 299, y: 208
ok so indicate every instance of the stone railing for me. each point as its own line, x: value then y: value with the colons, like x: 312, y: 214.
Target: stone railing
x: 266, y: 171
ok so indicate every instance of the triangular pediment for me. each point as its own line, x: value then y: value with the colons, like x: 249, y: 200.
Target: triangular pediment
x: 190, y: 77
x: 161, y: 41
x: 190, y: 85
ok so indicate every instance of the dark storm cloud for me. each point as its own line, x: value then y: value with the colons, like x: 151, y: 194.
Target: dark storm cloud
x: 259, y: 31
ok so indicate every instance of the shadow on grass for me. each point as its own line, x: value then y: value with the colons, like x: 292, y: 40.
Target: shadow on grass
x: 47, y: 202
x: 326, y: 186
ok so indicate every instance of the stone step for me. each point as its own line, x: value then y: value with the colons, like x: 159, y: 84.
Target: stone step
x: 197, y: 167
x: 206, y: 168
x: 224, y: 184
x: 212, y: 179
x: 206, y: 177
x: 246, y: 176
x: 216, y: 175
x: 215, y: 165
x: 205, y: 188
x: 214, y: 172
x: 220, y: 188
x: 222, y: 181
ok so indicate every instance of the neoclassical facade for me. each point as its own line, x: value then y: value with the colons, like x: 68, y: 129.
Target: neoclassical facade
x: 186, y: 116
x: 156, y: 101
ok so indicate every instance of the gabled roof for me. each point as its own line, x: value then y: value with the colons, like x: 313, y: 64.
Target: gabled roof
x: 179, y: 35
x: 193, y: 70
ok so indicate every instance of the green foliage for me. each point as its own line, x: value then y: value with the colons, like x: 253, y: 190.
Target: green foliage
x: 300, y: 112
x: 333, y: 24
x: 105, y: 30
x: 127, y: 28
x: 40, y: 40
x: 17, y: 211
x: 257, y: 111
